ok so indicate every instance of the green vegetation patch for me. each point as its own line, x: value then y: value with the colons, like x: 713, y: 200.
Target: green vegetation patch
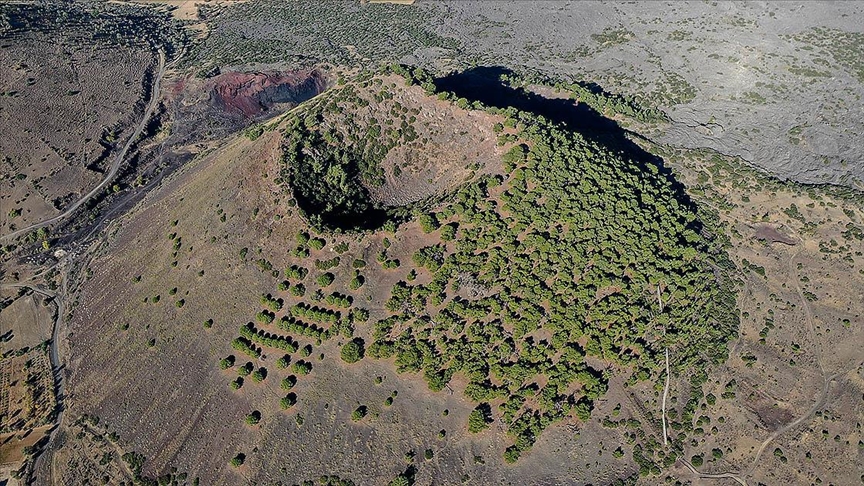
x: 333, y: 155
x: 529, y: 284
x: 565, y: 257
x: 844, y: 47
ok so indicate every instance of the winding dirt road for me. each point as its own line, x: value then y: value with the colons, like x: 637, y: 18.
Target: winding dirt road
x: 824, y: 394
x: 115, y: 164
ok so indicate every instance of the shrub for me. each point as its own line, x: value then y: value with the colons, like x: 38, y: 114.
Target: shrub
x: 448, y: 232
x: 296, y: 273
x: 326, y: 279
x: 238, y: 460
x: 479, y: 418
x: 317, y: 243
x: 227, y: 362
x: 265, y: 317
x: 288, y: 401
x: 271, y: 303
x: 428, y: 222
x: 259, y: 375
x: 358, y: 413
x: 511, y: 455
x: 327, y: 264
x: 298, y: 290
x: 253, y: 417
x: 302, y: 367
x: 288, y: 382
x: 245, y: 346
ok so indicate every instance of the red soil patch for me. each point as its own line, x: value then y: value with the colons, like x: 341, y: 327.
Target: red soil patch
x: 251, y: 94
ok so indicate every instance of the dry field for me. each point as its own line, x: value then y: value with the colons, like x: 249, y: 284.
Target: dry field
x: 27, y: 393
x: 788, y: 402
x: 26, y: 403
x: 25, y: 320
x: 66, y: 106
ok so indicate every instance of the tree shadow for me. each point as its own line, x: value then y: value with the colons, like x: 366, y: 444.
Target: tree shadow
x: 484, y: 84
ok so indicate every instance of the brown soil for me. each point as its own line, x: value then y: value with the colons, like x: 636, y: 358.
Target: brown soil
x: 771, y: 234
x: 25, y: 322
x: 800, y: 323
x: 26, y: 404
x: 66, y: 107
x: 251, y: 94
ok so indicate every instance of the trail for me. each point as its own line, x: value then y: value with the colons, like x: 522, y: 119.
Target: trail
x: 665, y: 394
x: 666, y: 386
x: 115, y: 164
x: 726, y: 475
x: 54, y: 357
x: 806, y: 416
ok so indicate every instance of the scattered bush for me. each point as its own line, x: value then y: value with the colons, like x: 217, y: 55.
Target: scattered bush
x: 288, y: 401
x: 358, y: 413
x: 253, y: 418
x: 238, y: 460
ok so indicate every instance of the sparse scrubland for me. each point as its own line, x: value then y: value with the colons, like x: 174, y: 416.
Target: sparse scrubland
x: 479, y: 276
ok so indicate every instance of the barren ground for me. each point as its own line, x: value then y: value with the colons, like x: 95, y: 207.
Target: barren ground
x: 67, y: 105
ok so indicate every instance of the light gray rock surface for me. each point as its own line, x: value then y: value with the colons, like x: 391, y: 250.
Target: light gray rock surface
x: 749, y: 79
x: 777, y: 83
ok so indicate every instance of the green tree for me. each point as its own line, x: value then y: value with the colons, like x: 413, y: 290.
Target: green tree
x: 259, y: 375
x: 253, y: 418
x: 358, y: 413
x: 238, y: 460
x: 288, y: 382
x: 226, y: 362
x: 479, y: 418
x: 325, y: 279
x: 352, y: 351
x: 288, y: 401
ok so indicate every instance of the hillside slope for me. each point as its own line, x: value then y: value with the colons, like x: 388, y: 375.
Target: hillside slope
x: 509, y: 282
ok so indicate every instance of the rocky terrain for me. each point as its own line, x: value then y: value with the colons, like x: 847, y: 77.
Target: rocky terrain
x: 778, y: 84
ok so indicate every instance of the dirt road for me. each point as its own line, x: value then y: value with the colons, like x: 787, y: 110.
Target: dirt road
x: 115, y: 164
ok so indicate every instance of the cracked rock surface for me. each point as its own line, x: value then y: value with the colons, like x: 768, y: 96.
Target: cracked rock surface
x: 776, y: 83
